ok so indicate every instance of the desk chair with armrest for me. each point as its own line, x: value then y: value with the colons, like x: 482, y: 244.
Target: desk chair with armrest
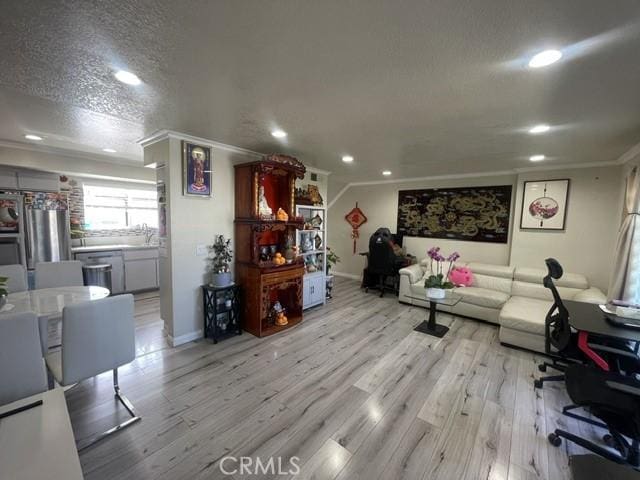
x: 565, y: 342
x: 613, y: 398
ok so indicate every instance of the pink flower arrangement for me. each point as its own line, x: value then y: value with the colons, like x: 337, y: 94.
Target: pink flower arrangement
x: 438, y: 279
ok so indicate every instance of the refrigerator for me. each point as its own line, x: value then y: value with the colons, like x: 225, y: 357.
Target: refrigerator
x: 12, y: 231
x: 48, y: 233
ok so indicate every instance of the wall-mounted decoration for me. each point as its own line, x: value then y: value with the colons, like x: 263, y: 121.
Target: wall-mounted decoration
x: 356, y: 218
x: 544, y: 204
x: 478, y: 214
x: 309, y: 195
x: 196, y: 170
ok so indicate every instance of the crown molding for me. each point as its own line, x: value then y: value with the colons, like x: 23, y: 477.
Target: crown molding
x: 513, y: 171
x: 630, y: 154
x: 317, y: 170
x: 160, y: 135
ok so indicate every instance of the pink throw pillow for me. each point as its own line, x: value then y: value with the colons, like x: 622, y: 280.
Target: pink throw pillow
x: 461, y: 276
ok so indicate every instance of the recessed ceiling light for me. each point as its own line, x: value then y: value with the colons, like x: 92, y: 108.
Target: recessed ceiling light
x: 279, y: 133
x: 109, y: 150
x: 33, y: 137
x: 386, y: 173
x: 539, y: 129
x: 545, y: 58
x: 347, y: 158
x: 537, y: 158
x: 127, y: 77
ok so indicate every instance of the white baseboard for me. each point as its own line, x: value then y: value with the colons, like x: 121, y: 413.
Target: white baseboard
x: 346, y: 275
x: 182, y: 339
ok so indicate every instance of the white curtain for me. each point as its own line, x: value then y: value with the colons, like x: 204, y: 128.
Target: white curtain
x: 625, y: 280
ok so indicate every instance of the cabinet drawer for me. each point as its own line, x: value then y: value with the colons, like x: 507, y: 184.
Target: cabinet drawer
x: 141, y: 254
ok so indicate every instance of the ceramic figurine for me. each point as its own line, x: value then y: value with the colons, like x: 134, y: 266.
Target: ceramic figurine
x: 263, y: 206
x: 307, y: 245
x: 282, y: 215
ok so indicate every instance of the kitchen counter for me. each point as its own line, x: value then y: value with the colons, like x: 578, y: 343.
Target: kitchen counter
x: 107, y: 248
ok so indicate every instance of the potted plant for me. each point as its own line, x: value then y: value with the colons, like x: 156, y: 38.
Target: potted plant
x: 219, y: 262
x: 437, y: 283
x: 3, y: 291
x: 332, y: 259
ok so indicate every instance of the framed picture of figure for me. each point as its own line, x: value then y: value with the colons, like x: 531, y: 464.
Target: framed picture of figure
x: 544, y: 204
x: 196, y: 169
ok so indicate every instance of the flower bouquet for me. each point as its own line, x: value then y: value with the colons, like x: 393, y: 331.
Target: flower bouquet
x: 437, y: 283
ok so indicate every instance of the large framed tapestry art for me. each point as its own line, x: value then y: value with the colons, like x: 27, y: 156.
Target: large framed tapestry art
x: 477, y: 214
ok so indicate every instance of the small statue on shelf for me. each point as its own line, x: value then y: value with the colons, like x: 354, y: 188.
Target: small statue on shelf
x: 282, y: 215
x: 306, y: 243
x: 278, y: 311
x: 263, y: 207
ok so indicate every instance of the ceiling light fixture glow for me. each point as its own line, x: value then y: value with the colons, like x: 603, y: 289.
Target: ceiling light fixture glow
x: 30, y: 136
x: 542, y: 128
x: 109, y: 150
x: 279, y: 133
x: 386, y: 173
x: 127, y: 77
x: 545, y: 58
x: 537, y: 158
x: 347, y: 158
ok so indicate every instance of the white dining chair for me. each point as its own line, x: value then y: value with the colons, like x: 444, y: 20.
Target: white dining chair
x: 17, y: 276
x: 97, y: 336
x: 22, y: 371
x: 67, y: 273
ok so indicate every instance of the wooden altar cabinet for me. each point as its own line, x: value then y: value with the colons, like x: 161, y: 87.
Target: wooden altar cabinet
x: 264, y: 282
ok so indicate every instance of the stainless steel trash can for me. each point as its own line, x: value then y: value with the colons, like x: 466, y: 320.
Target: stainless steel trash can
x: 98, y: 275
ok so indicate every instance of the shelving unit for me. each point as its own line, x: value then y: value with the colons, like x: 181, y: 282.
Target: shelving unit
x: 315, y: 258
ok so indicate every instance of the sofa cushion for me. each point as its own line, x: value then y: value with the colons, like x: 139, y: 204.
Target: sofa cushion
x: 482, y: 297
x: 490, y: 282
x: 525, y: 314
x: 539, y: 291
x: 535, y: 275
x: 491, y: 270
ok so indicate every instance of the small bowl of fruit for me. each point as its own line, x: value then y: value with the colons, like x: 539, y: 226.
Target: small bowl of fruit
x: 278, y: 259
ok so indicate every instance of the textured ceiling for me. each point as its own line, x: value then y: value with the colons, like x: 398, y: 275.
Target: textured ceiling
x: 418, y: 87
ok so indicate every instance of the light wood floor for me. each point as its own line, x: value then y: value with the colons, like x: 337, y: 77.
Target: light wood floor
x: 353, y: 392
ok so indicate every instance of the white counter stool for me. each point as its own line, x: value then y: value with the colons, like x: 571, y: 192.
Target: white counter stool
x: 17, y: 276
x: 97, y: 336
x: 22, y: 371
x: 59, y: 274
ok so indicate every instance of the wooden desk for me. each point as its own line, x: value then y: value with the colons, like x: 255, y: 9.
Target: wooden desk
x: 39, y: 443
x: 588, y: 319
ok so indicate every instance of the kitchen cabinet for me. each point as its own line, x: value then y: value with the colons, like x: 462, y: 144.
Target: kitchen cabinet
x: 140, y: 269
x: 33, y: 181
x: 8, y: 179
x: 313, y: 292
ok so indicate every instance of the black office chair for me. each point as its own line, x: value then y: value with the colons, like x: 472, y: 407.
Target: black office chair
x: 614, y: 399
x: 382, y: 262
x: 558, y: 334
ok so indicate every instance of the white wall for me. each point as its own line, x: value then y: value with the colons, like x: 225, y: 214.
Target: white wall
x: 586, y: 245
x: 379, y: 203
x: 191, y: 221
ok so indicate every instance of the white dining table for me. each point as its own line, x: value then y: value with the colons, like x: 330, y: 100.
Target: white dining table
x: 47, y: 303
x: 38, y: 443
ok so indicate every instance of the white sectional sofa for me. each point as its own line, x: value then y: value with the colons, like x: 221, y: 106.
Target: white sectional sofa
x: 512, y: 297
